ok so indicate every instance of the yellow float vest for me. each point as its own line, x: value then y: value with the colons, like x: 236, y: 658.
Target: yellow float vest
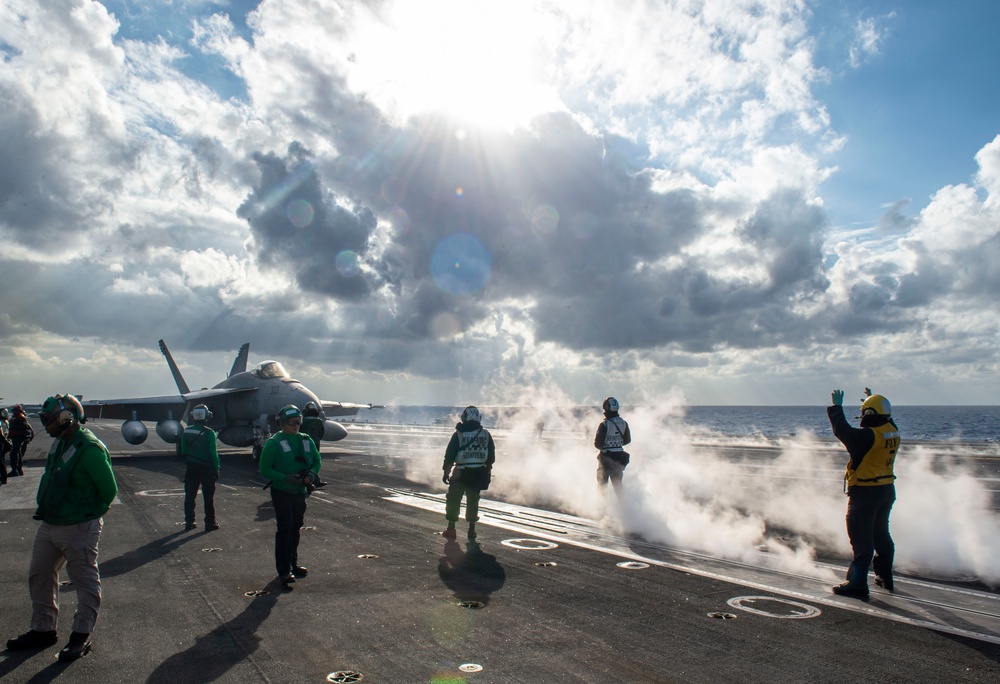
x: 876, y: 466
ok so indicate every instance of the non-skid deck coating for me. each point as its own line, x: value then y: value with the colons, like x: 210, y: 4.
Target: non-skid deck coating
x: 935, y: 605
x: 545, y: 598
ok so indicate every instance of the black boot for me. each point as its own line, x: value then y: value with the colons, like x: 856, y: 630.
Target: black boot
x: 78, y: 646
x: 885, y: 581
x: 853, y: 590
x: 33, y: 639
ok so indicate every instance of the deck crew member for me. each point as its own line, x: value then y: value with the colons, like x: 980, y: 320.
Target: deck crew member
x: 75, y: 491
x: 871, y: 493
x: 612, y: 435
x: 291, y: 461
x: 468, y: 466
x: 200, y: 450
x: 20, y: 434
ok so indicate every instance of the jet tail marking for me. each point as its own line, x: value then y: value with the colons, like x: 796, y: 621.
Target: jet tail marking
x: 174, y: 370
x: 240, y: 364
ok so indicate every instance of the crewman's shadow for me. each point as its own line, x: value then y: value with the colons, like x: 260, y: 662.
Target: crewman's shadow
x: 265, y: 511
x: 472, y: 575
x: 226, y: 646
x: 14, y: 659
x: 136, y: 558
x: 46, y: 676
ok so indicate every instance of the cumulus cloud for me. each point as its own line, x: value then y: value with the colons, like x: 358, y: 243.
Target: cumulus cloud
x: 653, y: 212
x: 869, y: 36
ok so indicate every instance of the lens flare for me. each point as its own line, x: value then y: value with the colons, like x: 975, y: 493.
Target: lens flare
x: 461, y: 265
x: 275, y: 197
x: 300, y: 213
x: 545, y: 219
x: 399, y: 219
x: 393, y: 190
x: 348, y: 263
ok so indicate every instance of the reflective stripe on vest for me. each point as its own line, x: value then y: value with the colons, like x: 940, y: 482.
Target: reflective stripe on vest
x: 614, y: 433
x: 287, y: 447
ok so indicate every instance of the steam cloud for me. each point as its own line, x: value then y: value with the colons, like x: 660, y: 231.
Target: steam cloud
x: 785, y: 512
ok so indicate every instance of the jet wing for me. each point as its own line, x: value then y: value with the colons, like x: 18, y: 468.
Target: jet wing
x: 155, y: 408
x: 342, y: 408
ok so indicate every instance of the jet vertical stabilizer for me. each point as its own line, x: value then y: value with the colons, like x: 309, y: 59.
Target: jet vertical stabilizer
x: 240, y: 364
x: 174, y: 370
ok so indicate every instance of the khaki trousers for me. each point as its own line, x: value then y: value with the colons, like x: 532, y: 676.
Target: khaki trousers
x: 73, y: 546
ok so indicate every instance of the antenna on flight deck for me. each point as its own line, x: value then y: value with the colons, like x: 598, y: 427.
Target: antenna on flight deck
x: 174, y: 370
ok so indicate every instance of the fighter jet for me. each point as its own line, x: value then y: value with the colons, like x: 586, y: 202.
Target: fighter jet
x: 243, y: 405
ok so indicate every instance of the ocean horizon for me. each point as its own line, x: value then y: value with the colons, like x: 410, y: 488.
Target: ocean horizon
x: 973, y: 423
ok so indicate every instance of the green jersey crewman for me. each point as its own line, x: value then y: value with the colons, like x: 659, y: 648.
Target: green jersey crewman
x: 201, y: 455
x: 314, y: 425
x: 290, y: 461
x: 74, y: 493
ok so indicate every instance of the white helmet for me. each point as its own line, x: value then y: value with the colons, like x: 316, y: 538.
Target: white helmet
x: 471, y: 413
x: 611, y: 404
x: 200, y: 413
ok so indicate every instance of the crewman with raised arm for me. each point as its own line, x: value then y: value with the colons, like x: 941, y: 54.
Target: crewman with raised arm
x: 871, y: 493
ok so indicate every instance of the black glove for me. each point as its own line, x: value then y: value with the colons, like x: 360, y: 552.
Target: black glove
x: 446, y: 479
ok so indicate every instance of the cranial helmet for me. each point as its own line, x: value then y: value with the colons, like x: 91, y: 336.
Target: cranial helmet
x: 311, y: 409
x: 876, y: 403
x: 4, y: 413
x: 611, y: 404
x: 471, y: 413
x: 289, y: 412
x: 18, y: 410
x: 200, y: 413
x: 62, y: 408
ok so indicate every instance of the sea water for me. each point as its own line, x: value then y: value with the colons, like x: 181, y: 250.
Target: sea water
x: 971, y: 424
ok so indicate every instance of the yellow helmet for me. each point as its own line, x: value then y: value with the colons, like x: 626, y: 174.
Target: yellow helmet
x: 877, y: 404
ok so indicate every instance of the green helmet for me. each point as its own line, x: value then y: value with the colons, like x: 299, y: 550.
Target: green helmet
x: 288, y: 413
x: 63, y: 408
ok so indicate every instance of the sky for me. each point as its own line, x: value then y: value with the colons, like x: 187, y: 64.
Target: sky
x: 449, y: 202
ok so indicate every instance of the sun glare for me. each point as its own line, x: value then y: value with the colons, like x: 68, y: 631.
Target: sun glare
x: 480, y: 62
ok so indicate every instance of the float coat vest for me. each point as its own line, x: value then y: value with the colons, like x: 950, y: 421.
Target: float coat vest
x: 614, y: 434
x: 876, y: 465
x: 61, y: 498
x: 196, y: 444
x: 473, y: 448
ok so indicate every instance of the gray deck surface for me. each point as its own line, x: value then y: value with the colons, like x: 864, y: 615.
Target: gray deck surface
x: 544, y: 599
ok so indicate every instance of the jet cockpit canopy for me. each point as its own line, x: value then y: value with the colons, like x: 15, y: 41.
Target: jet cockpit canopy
x: 269, y: 369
